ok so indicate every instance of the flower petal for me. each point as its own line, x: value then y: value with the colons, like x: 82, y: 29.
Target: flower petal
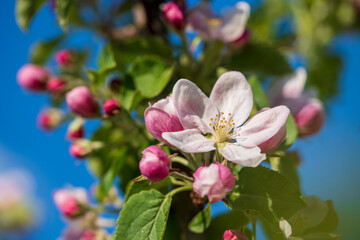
x: 232, y: 94
x: 262, y: 126
x: 158, y: 121
x: 189, y: 141
x: 290, y: 86
x: 234, y: 22
x: 194, y: 108
x: 167, y: 105
x: 198, y: 19
x: 249, y: 157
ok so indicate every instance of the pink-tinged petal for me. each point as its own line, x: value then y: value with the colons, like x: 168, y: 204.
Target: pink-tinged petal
x: 190, y: 141
x: 234, y: 22
x: 205, y: 179
x: 158, y: 121
x: 197, y: 20
x: 310, y: 117
x: 194, y: 108
x: 167, y: 105
x: 232, y: 94
x: 290, y: 86
x: 249, y: 157
x: 262, y: 126
x: 274, y: 142
x: 226, y: 176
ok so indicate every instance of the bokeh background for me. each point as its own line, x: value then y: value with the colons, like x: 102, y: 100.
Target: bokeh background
x: 330, y: 160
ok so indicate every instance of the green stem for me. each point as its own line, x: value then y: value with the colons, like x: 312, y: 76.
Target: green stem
x: 180, y: 189
x: 186, y: 47
x: 193, y: 164
x: 182, y: 176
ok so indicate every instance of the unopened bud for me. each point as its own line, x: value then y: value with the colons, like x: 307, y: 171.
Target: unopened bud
x: 76, y: 129
x: 154, y: 164
x: 81, y: 101
x: 50, y: 118
x: 32, y: 77
x: 55, y: 85
x: 173, y: 15
x: 111, y: 107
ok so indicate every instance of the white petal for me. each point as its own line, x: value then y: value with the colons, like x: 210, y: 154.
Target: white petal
x: 189, y: 141
x: 262, y: 126
x: 290, y: 86
x: 166, y: 105
x: 285, y: 227
x: 249, y: 157
x: 198, y: 19
x: 194, y: 108
x: 232, y: 94
x: 234, y: 23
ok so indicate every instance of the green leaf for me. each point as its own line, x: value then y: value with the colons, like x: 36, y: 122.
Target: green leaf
x: 256, y: 58
x: 106, y: 59
x: 150, y: 75
x: 288, y: 166
x: 321, y: 236
x: 268, y: 192
x: 26, y: 10
x: 42, y: 50
x: 144, y: 216
x: 260, y: 98
x: 134, y: 187
x: 63, y: 8
x: 126, y: 51
x: 291, y: 133
x: 230, y: 220
x: 201, y: 221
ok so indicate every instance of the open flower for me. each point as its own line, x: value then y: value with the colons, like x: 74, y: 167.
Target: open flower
x: 306, y: 108
x: 162, y: 117
x: 227, y: 28
x: 219, y: 121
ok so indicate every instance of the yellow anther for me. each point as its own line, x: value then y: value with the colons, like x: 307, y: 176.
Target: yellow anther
x: 222, y: 112
x: 229, y: 114
x: 211, y: 119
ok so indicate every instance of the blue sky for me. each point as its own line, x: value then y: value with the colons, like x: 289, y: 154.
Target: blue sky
x: 330, y: 159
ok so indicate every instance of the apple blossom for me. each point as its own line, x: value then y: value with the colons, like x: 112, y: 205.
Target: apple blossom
x: 50, y: 118
x: 55, y: 85
x: 173, y: 15
x: 76, y: 129
x: 71, y: 202
x: 213, y: 181
x: 234, y: 235
x: 221, y: 118
x: 63, y: 57
x: 154, y: 164
x: 162, y: 117
x: 32, y: 77
x: 274, y: 142
x: 111, y: 107
x: 81, y: 101
x: 307, y: 110
x: 226, y: 28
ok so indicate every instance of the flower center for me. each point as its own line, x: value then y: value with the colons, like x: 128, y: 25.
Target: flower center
x: 214, y: 22
x: 222, y: 127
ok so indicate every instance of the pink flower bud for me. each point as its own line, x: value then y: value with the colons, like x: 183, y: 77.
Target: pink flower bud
x: 50, y: 118
x: 81, y: 101
x: 154, y: 164
x: 234, y: 235
x: 76, y: 129
x: 310, y: 117
x: 213, y: 181
x: 80, y: 148
x: 162, y: 117
x: 71, y: 202
x: 275, y: 141
x: 111, y: 107
x: 173, y: 15
x: 88, y: 235
x: 63, y: 57
x: 55, y: 85
x: 32, y: 77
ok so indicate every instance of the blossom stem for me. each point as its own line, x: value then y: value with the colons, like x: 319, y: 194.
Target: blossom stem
x: 182, y: 176
x: 180, y: 189
x: 186, y: 47
x: 192, y: 161
x: 253, y: 226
